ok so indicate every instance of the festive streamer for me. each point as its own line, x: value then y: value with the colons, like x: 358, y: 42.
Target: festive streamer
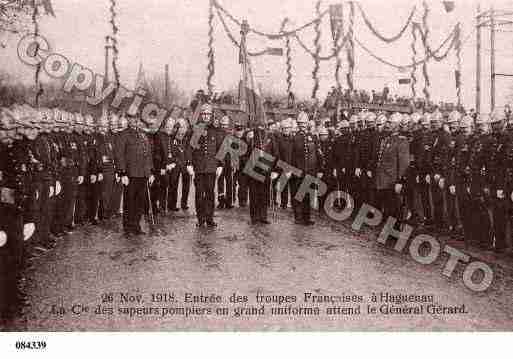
x: 211, y: 56
x: 114, y: 40
x: 425, y: 35
x: 317, y: 44
x: 413, y: 78
x: 288, y: 57
x: 428, y: 56
x: 376, y: 32
x: 232, y: 38
x: 337, y: 32
x: 38, y: 86
x: 323, y: 58
x: 458, y: 65
x: 350, y: 47
x: 273, y: 36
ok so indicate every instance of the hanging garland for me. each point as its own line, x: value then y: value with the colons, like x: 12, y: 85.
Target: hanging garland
x: 458, y: 65
x: 210, y: 55
x: 272, y: 36
x: 114, y: 40
x: 413, y: 78
x: 288, y: 53
x: 323, y: 58
x: 336, y: 50
x: 428, y: 56
x: 350, y: 47
x: 317, y: 44
x: 425, y: 35
x: 38, y: 86
x: 232, y: 38
x: 376, y: 32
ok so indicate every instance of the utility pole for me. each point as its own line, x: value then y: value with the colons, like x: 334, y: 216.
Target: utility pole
x: 166, y: 84
x: 492, y: 58
x: 478, y: 60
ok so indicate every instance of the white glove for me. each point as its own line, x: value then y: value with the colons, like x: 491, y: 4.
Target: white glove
x: 428, y: 179
x: 58, y: 188
x: 486, y: 190
x: 80, y: 179
x: 190, y: 170
x: 117, y: 178
x: 358, y: 172
x: 500, y: 194
x: 250, y: 134
x: 52, y: 191
x: 219, y: 170
x: 93, y: 179
x: 28, y: 230
x: 288, y: 174
x: 437, y: 177
x: 151, y: 179
x: 369, y: 174
x: 172, y: 165
x: 163, y: 172
x: 274, y: 175
x: 1, y: 176
x: 398, y: 188
x: 319, y: 174
x: 343, y: 170
x: 334, y: 173
x: 511, y: 196
x: 125, y: 180
x: 452, y: 189
x: 100, y: 177
x: 417, y: 179
x: 441, y: 183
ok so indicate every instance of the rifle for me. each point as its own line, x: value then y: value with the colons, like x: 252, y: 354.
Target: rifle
x: 150, y: 208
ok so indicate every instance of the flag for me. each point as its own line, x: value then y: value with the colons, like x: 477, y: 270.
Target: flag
x: 336, y: 19
x: 448, y: 5
x: 250, y: 99
x: 404, y: 81
x: 140, y: 82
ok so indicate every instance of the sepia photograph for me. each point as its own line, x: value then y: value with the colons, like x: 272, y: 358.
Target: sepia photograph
x: 255, y: 166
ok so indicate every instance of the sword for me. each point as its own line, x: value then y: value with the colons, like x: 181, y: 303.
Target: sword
x: 150, y: 207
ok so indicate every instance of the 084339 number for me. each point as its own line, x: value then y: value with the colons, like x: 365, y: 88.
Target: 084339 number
x: 21, y: 345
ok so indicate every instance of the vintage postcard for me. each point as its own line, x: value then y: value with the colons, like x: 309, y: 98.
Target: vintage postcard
x: 223, y: 165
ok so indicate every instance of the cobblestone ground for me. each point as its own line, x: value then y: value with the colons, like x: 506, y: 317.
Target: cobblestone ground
x: 282, y: 258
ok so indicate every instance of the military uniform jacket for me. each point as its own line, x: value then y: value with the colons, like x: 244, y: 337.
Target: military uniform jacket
x: 261, y: 141
x: 70, y: 155
x: 162, y: 150
x: 16, y: 189
x: 105, y: 152
x: 203, y: 158
x: 42, y: 152
x: 284, y: 148
x: 134, y: 154
x: 454, y: 175
x: 327, y: 155
x: 480, y: 160
x: 393, y: 161
x: 440, y: 152
x: 305, y: 153
x: 343, y: 153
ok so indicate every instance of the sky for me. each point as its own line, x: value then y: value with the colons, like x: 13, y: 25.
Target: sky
x: 174, y: 32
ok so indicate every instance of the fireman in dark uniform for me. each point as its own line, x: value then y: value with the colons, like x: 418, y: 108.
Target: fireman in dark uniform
x: 178, y: 168
x: 80, y: 138
x: 106, y: 168
x: 241, y: 179
x: 342, y: 157
x: 203, y: 165
x: 163, y: 158
x: 16, y: 216
x: 225, y: 183
x: 305, y: 157
x: 259, y: 139
x: 327, y: 164
x: 136, y: 171
x: 284, y: 144
x: 120, y: 124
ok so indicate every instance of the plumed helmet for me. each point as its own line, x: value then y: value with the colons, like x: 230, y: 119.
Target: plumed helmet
x: 396, y: 118
x: 454, y: 117
x: 207, y: 108
x: 466, y: 122
x: 415, y: 117
x: 353, y: 119
x: 287, y: 123
x: 225, y: 121
x: 381, y: 119
x: 371, y: 117
x: 323, y: 131
x: 343, y: 124
x: 302, y: 117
